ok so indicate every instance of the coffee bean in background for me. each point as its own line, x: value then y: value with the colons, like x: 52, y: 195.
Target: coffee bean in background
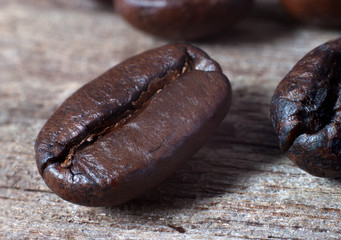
x: 306, y: 111
x: 183, y: 20
x: 130, y: 128
x: 325, y: 12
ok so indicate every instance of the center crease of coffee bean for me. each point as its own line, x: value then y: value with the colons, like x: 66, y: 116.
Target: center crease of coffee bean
x: 319, y: 108
x: 134, y: 109
x: 323, y: 110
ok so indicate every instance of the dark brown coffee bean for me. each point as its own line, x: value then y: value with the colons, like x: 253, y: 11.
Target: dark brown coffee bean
x: 129, y: 129
x: 186, y: 19
x: 325, y: 12
x: 306, y: 111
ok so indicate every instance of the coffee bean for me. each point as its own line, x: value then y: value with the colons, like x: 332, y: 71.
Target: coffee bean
x: 126, y: 131
x: 187, y: 19
x: 326, y: 12
x: 306, y: 111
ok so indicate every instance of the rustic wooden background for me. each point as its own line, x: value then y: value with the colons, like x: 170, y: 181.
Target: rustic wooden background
x: 239, y: 186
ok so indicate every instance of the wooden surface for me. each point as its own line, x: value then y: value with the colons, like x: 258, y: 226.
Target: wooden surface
x: 239, y: 186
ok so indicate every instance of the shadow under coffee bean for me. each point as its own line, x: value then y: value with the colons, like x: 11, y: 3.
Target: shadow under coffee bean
x: 126, y: 131
x: 306, y: 111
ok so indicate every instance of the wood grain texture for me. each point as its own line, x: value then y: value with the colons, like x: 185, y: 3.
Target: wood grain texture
x: 239, y: 186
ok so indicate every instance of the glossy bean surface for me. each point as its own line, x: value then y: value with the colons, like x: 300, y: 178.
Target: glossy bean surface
x: 127, y: 130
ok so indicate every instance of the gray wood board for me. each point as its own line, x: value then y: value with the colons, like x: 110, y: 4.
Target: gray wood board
x: 238, y: 186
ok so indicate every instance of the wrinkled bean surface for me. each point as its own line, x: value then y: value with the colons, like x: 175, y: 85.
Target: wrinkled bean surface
x: 306, y: 111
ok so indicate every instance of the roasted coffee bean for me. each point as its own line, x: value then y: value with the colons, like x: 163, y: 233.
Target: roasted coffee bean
x: 325, y: 12
x: 306, y: 111
x: 129, y: 129
x: 187, y: 19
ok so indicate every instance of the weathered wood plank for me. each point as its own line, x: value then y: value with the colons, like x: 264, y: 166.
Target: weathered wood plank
x: 239, y: 186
